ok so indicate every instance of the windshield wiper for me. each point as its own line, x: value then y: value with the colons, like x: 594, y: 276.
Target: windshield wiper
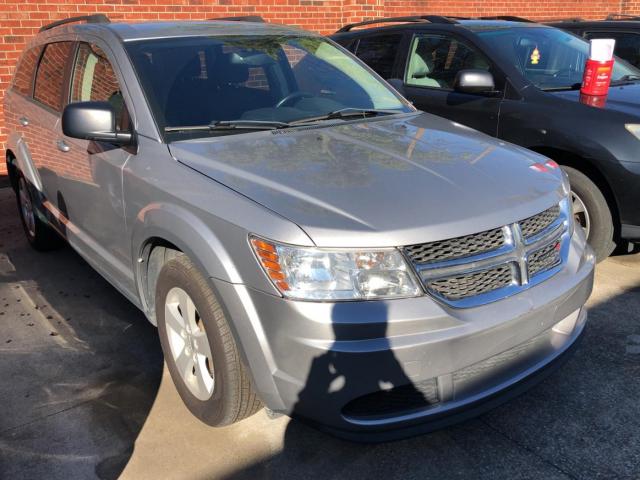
x: 231, y: 125
x: 274, y: 125
x: 348, y: 112
x: 626, y: 79
x: 575, y: 86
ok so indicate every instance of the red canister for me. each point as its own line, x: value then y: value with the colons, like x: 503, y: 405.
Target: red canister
x: 597, y: 77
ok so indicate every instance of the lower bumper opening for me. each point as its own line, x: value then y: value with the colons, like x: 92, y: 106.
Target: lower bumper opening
x: 395, y: 401
x: 472, y: 382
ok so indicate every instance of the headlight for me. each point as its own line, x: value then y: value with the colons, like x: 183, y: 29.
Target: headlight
x: 318, y: 274
x: 634, y: 129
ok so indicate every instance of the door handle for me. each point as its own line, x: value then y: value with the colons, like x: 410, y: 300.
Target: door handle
x: 62, y: 146
x: 24, y: 121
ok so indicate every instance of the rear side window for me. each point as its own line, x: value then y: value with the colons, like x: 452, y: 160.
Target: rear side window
x: 93, y: 80
x: 379, y: 53
x: 50, y: 76
x: 23, y: 78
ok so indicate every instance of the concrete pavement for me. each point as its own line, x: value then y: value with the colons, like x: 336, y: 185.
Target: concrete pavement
x: 84, y: 395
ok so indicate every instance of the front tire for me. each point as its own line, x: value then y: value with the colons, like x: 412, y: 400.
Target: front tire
x: 592, y: 213
x: 201, y: 354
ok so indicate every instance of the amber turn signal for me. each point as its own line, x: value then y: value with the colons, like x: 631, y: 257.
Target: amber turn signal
x: 268, y: 256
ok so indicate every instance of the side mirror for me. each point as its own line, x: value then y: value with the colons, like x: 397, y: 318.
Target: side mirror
x: 397, y: 84
x: 93, y: 121
x: 474, y: 81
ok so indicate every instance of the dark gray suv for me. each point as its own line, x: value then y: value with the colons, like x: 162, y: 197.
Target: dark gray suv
x: 303, y: 238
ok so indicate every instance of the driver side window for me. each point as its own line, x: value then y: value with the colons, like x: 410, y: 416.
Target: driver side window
x: 435, y: 60
x: 95, y: 81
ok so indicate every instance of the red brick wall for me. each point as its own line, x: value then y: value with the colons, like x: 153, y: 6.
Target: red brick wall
x: 20, y: 19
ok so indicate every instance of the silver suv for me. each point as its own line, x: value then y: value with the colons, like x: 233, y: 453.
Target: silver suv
x: 303, y: 238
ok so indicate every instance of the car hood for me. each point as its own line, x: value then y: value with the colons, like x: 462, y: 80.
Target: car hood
x: 383, y: 182
x: 624, y: 99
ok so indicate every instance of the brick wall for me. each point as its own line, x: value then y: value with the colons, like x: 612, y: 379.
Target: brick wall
x: 20, y: 19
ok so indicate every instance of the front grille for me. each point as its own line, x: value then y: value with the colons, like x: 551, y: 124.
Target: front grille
x: 536, y: 224
x: 395, y: 401
x: 458, y: 269
x: 454, y: 248
x: 545, y: 258
x: 472, y: 284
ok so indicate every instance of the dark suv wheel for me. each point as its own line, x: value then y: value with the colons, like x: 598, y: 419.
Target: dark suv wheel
x: 591, y: 212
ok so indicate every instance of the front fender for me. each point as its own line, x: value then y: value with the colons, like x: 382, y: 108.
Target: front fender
x: 196, y: 240
x: 187, y: 232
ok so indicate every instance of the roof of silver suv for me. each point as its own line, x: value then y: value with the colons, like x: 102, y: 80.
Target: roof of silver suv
x: 150, y: 30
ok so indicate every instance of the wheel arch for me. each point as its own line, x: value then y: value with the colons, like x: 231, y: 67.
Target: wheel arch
x: 155, y: 242
x: 168, y: 230
x: 588, y: 168
x: 21, y: 160
x: 12, y: 169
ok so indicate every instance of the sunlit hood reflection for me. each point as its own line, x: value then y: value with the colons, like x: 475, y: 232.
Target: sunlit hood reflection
x: 401, y: 179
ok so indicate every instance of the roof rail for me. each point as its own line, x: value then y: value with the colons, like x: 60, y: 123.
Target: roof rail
x: 621, y: 16
x: 411, y: 19
x: 508, y: 18
x: 570, y: 19
x: 248, y: 18
x: 95, y: 18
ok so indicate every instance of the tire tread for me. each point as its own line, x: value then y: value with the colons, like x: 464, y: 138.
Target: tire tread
x: 241, y: 400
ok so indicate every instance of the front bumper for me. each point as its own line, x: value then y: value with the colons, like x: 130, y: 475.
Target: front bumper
x: 386, y: 369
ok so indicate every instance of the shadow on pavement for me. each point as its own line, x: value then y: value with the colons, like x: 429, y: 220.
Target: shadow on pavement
x: 80, y: 365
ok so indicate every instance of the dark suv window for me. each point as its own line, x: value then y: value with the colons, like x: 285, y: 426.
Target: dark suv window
x: 627, y: 44
x: 379, y: 53
x: 435, y: 60
x: 93, y: 80
x: 50, y: 76
x: 23, y: 79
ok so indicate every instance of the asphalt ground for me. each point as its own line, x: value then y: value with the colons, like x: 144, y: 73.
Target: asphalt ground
x: 84, y: 394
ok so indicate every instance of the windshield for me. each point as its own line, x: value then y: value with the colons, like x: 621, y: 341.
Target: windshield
x: 549, y: 58
x: 200, y: 81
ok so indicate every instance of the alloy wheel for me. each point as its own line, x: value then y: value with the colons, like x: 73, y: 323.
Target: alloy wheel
x: 580, y: 213
x: 26, y: 207
x: 189, y: 344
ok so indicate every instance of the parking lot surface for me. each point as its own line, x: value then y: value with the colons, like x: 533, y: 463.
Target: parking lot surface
x: 85, y: 395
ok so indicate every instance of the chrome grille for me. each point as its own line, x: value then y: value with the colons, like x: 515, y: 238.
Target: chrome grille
x: 456, y: 247
x: 471, y: 284
x: 536, y: 224
x: 545, y: 258
x: 480, y: 268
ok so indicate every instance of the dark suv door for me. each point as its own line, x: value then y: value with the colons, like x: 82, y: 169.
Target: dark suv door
x: 433, y: 62
x: 428, y: 71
